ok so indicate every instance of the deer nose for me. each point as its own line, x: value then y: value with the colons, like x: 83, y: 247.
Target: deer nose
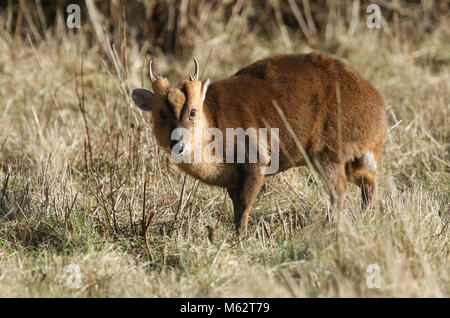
x: 180, y: 144
x: 181, y: 147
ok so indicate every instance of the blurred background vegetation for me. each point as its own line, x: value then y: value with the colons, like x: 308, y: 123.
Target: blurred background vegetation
x: 176, y: 26
x: 81, y: 174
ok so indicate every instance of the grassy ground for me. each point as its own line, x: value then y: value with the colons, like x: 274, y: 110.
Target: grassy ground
x: 74, y: 168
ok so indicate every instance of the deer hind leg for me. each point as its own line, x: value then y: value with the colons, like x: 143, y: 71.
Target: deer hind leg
x: 366, y: 180
x: 244, y: 195
x: 334, y: 178
x: 362, y: 173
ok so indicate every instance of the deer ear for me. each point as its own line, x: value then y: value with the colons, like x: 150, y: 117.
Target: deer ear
x: 143, y: 99
x: 204, y: 88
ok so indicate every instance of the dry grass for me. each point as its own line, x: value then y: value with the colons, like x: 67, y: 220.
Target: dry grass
x: 75, y: 153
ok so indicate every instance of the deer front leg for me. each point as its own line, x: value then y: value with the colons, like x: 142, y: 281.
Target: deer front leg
x: 244, y: 195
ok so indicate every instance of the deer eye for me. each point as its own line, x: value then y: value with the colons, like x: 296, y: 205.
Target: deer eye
x: 162, y: 115
x: 192, y: 113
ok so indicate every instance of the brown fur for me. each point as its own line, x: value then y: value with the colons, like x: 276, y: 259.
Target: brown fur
x: 304, y: 87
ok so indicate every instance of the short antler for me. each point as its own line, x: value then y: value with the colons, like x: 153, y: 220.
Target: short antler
x: 150, y: 71
x: 195, y: 77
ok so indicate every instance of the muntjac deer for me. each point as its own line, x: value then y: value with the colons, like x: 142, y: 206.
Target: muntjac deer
x: 325, y: 115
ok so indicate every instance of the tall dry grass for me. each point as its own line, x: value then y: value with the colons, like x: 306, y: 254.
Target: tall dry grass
x: 82, y: 180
